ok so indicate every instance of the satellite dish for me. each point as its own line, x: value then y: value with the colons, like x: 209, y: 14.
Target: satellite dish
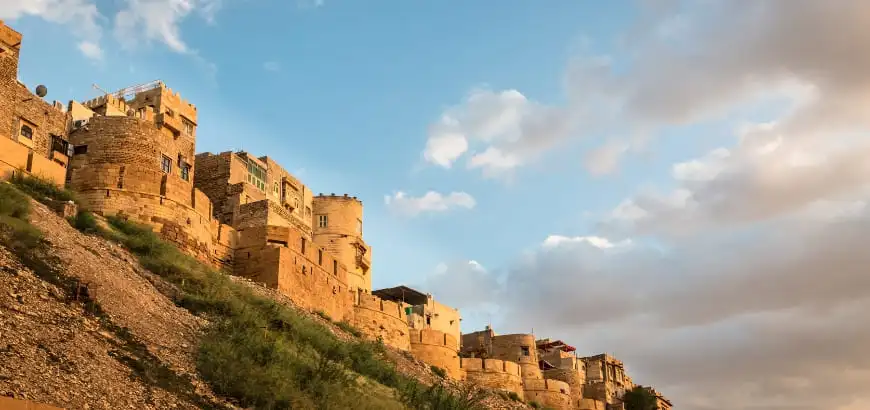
x: 41, y: 91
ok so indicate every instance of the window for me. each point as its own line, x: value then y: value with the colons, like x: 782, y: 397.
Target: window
x: 275, y: 189
x: 141, y: 113
x: 334, y: 267
x: 170, y: 112
x: 303, y: 246
x: 166, y: 165
x: 256, y: 176
x: 524, y: 350
x: 185, y: 172
x: 188, y: 126
x: 26, y: 132
x: 322, y: 221
x: 58, y: 144
x: 307, y: 212
x: 359, y: 226
x: 80, y: 149
x: 320, y: 257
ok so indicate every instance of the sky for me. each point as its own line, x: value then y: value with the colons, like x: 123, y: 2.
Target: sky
x: 682, y: 184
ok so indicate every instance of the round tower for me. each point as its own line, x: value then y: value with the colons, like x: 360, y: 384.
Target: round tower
x: 338, y: 227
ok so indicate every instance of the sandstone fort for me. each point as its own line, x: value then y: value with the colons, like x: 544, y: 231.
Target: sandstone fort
x: 132, y: 153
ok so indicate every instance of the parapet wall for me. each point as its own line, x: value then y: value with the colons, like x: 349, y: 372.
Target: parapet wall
x: 494, y: 374
x: 437, y: 349
x: 550, y: 393
x: 378, y: 318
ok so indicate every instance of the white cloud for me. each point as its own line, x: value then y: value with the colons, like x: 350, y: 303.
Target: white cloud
x: 159, y: 20
x: 272, y: 66
x: 553, y: 241
x: 430, y: 202
x: 502, y: 123
x: 81, y: 16
x: 91, y: 50
x: 684, y: 64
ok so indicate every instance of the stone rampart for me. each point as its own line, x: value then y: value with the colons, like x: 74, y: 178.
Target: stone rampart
x: 437, y: 349
x: 117, y: 170
x: 494, y: 374
x: 550, y: 393
x: 591, y: 404
x: 519, y: 348
x: 277, y: 257
x: 378, y: 318
x: 572, y: 377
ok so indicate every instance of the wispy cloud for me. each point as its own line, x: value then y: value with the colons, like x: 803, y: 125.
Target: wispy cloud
x: 430, y: 202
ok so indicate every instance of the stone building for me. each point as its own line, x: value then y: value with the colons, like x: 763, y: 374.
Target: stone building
x: 33, y: 133
x: 133, y: 155
x: 338, y: 227
x: 423, y: 311
x: 606, y: 379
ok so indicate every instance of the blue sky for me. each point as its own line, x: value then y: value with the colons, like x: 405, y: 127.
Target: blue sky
x: 346, y: 91
x: 681, y: 184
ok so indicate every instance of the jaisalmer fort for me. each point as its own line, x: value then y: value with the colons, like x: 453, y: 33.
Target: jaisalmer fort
x: 132, y: 153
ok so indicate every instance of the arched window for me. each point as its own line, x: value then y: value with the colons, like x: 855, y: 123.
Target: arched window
x: 27, y: 132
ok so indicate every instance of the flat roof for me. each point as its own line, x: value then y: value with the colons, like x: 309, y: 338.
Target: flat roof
x: 402, y: 294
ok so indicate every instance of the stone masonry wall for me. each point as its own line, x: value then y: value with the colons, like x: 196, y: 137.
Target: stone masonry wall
x: 494, y: 374
x: 378, y: 318
x: 275, y: 257
x: 572, y: 377
x: 10, y: 41
x: 117, y: 170
x: 509, y: 347
x: 550, y: 393
x: 438, y: 349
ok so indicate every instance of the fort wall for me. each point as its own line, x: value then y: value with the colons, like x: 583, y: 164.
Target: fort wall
x: 281, y: 258
x: 378, y: 318
x: 494, y: 374
x: 591, y: 404
x: 117, y: 170
x: 574, y: 378
x: 438, y: 349
x: 550, y: 393
x: 518, y: 348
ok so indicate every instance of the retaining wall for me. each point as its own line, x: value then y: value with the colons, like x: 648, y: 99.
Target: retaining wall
x: 494, y: 374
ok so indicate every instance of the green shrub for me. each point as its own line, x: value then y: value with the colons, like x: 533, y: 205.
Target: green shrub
x: 349, y: 328
x: 514, y: 396
x: 439, y: 371
x: 41, y: 189
x: 14, y: 210
x: 437, y: 397
x: 13, y: 203
x: 324, y: 315
x: 263, y: 353
x: 533, y: 404
x: 85, y: 222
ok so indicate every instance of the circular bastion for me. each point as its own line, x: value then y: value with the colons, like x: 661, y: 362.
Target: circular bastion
x: 381, y: 319
x: 549, y: 393
x: 494, y: 374
x: 573, y: 377
x: 439, y: 349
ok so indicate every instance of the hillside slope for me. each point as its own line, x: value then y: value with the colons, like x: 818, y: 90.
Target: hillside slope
x: 123, y: 343
x: 135, y: 351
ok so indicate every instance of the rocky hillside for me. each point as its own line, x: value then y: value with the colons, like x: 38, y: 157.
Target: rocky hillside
x: 83, y: 325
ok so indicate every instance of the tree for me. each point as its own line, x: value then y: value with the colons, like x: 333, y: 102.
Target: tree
x: 640, y: 398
